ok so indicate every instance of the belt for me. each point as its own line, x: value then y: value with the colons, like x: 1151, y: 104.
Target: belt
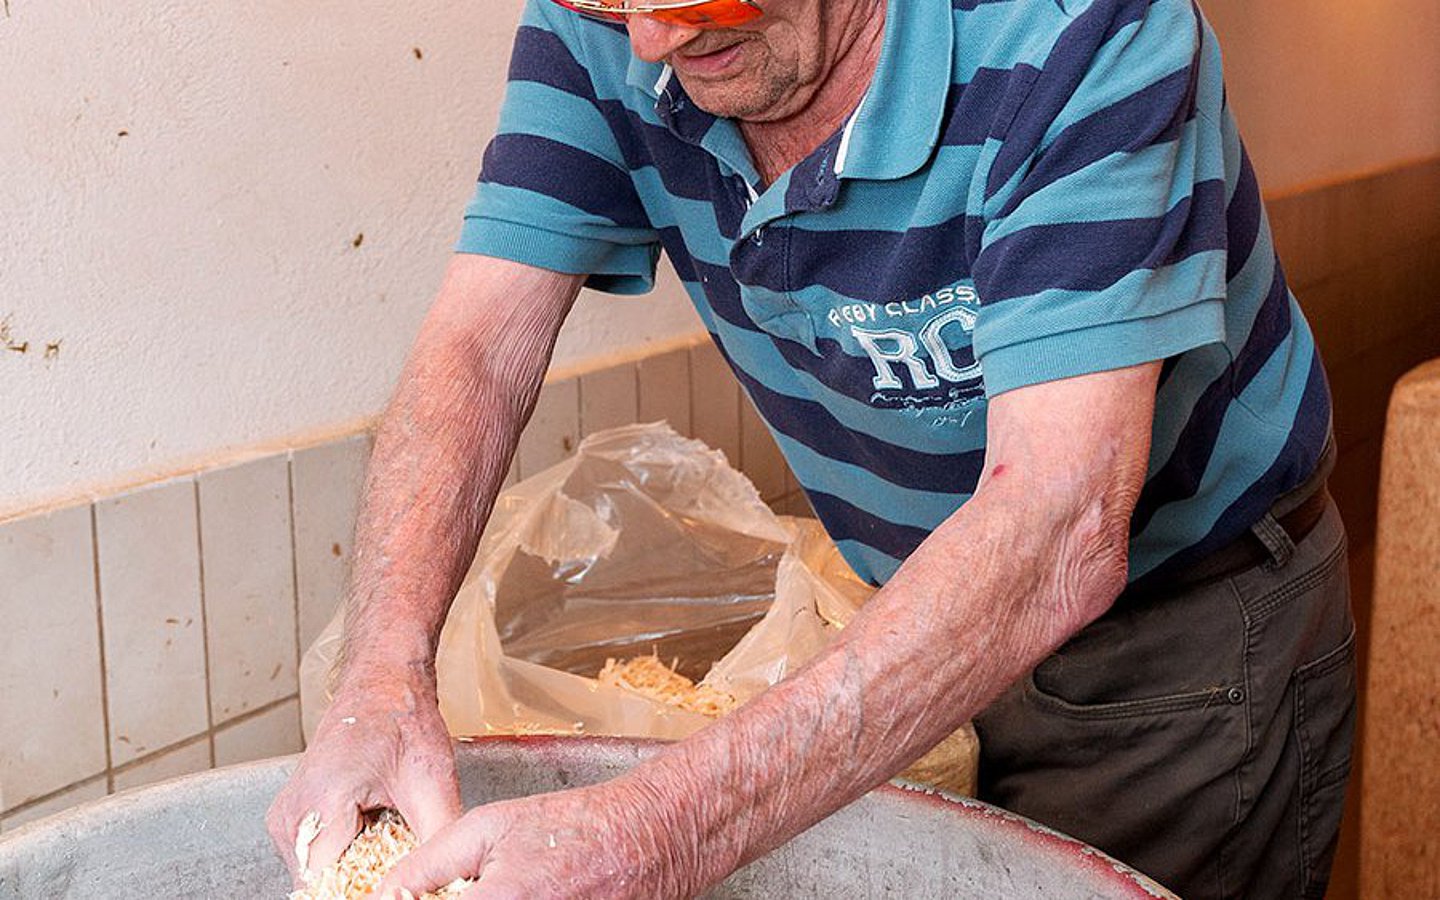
x: 1249, y: 551
x: 1296, y: 514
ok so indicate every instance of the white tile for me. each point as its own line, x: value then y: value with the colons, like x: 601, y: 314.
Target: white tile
x: 186, y: 759
x: 715, y: 401
x: 326, y: 481
x: 89, y: 791
x: 154, y: 630
x: 554, y: 429
x: 665, y: 389
x: 52, y: 718
x: 275, y: 732
x: 760, y: 458
x: 608, y: 398
x: 249, y: 585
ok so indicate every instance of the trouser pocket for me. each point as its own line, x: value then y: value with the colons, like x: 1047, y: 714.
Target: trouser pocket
x: 1203, y: 735
x: 1325, y: 733
x: 1128, y: 737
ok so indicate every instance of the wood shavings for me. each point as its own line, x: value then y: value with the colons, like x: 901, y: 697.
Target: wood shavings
x: 381, y: 844
x: 949, y: 766
x: 649, y: 677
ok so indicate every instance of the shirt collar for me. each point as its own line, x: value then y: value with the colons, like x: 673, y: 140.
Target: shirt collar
x: 897, y: 124
x: 895, y: 128
x: 721, y: 138
x: 648, y: 78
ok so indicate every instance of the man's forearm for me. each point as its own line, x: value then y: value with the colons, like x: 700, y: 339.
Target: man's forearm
x: 925, y: 655
x: 1037, y: 553
x: 440, y: 457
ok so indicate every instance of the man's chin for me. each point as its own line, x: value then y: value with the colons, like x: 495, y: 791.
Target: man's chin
x: 730, y: 99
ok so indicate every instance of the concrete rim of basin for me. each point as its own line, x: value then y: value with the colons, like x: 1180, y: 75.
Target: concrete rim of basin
x: 54, y: 855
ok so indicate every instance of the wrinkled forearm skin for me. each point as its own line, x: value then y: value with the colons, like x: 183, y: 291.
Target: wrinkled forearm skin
x: 441, y: 453
x: 1039, y: 552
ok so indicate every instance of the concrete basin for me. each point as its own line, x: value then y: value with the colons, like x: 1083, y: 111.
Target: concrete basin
x: 203, y: 836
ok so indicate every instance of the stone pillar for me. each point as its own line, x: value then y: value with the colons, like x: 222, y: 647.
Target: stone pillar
x: 1400, y: 792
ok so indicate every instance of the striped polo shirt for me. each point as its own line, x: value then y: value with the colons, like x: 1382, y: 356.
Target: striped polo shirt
x: 1030, y: 190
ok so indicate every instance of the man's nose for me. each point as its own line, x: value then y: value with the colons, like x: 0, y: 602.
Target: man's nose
x: 652, y: 40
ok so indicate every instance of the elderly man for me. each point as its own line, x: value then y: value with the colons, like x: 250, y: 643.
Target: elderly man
x: 997, y: 275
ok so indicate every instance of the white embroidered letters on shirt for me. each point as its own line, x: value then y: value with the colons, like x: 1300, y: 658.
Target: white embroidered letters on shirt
x: 906, y: 350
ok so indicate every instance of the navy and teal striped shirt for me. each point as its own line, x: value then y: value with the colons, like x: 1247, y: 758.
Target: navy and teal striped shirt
x: 1030, y: 190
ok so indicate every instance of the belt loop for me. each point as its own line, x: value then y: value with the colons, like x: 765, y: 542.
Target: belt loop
x: 1276, y: 540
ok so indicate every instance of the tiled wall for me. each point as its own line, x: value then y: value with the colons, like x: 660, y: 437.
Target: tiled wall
x: 1363, y: 256
x: 158, y: 633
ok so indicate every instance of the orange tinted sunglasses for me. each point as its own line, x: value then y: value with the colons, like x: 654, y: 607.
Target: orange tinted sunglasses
x: 690, y: 13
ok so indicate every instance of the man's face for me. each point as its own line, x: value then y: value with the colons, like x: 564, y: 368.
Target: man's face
x: 763, y: 71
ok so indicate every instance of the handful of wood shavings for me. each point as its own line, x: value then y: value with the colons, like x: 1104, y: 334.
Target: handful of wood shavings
x: 649, y: 677
x: 382, y: 843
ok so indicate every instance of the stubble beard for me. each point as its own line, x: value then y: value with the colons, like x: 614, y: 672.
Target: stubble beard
x: 757, y: 95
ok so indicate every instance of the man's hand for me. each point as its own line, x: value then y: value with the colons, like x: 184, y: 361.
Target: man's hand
x: 606, y: 841
x: 381, y: 744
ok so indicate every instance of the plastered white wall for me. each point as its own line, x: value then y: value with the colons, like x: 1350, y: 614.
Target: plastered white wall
x: 183, y: 185
x: 1328, y: 88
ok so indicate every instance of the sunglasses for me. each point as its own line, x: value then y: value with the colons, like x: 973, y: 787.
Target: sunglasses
x: 690, y: 13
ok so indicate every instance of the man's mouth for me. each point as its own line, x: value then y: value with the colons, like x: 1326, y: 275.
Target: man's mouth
x: 708, y: 63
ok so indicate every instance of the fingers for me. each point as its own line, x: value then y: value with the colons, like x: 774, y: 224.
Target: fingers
x: 429, y: 800
x: 283, y: 827
x: 458, y: 851
x: 339, y: 826
x: 310, y: 837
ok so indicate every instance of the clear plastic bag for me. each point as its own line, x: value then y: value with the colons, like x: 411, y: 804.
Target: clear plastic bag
x: 643, y: 542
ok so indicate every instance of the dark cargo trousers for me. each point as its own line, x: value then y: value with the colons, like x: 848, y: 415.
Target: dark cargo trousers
x: 1203, y: 736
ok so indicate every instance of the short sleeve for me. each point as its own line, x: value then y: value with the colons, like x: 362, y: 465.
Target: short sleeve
x: 1104, y: 226
x: 555, y: 190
